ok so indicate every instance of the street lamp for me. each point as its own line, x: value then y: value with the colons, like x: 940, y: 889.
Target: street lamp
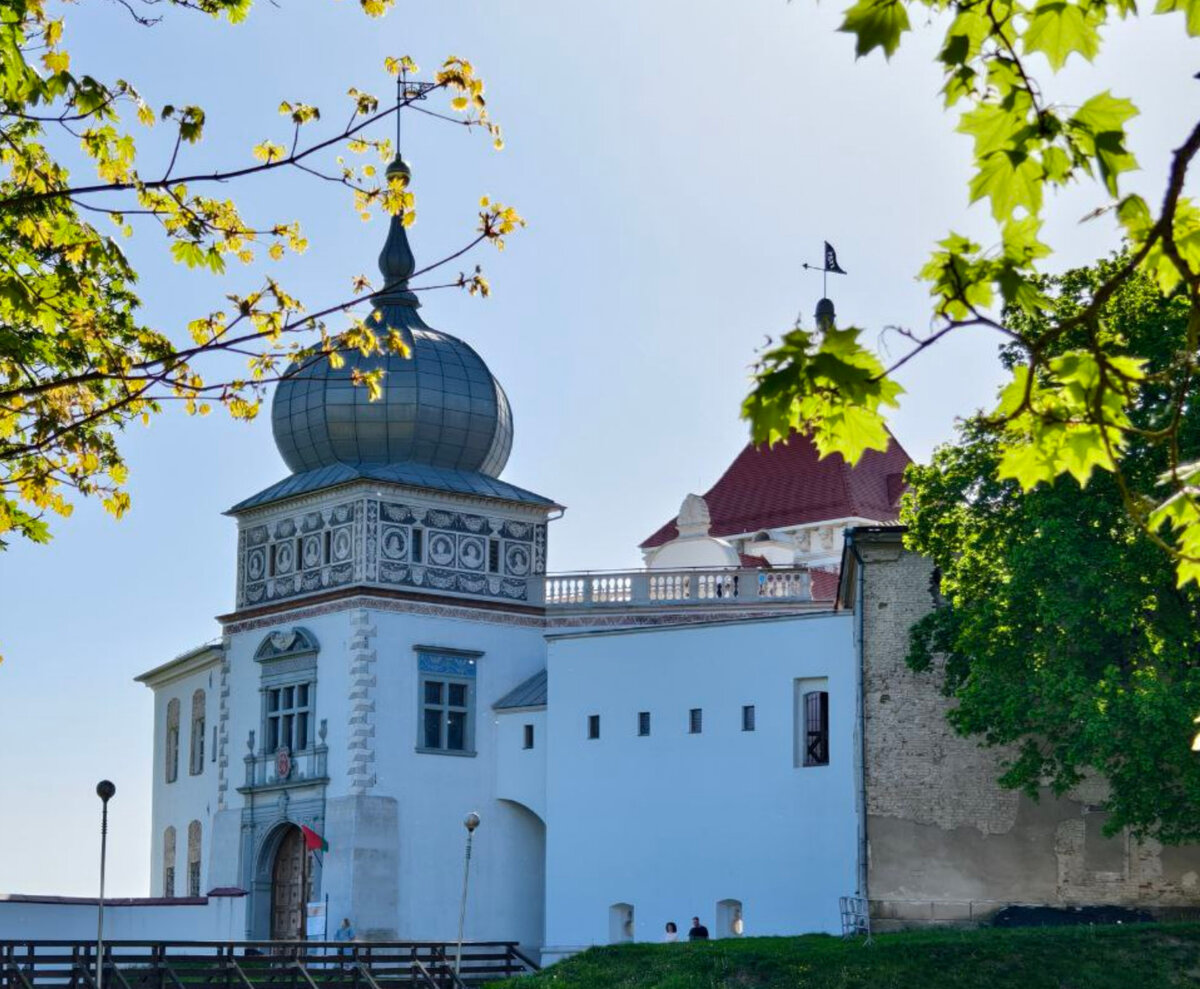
x: 105, y: 791
x: 470, y: 822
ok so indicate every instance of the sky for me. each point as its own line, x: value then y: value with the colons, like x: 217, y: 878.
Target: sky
x: 677, y: 161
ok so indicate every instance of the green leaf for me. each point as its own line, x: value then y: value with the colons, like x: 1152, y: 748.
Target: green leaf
x: 876, y: 24
x: 1189, y: 8
x: 1057, y: 29
x: 1011, y: 180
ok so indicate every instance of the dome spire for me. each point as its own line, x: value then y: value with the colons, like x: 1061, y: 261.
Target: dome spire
x: 396, y: 261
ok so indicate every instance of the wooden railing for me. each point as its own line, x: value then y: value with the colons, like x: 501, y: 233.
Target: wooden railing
x: 259, y: 964
x: 677, y: 588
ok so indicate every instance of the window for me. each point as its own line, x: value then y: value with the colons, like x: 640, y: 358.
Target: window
x: 169, y: 862
x: 593, y: 726
x: 528, y: 737
x: 418, y: 542
x: 447, y: 701
x: 695, y: 721
x: 196, y: 752
x: 288, y: 716
x: 214, y: 744
x: 816, y: 728
x: 747, y: 717
x: 643, y: 723
x: 493, y: 555
x: 172, y: 747
x: 193, y: 873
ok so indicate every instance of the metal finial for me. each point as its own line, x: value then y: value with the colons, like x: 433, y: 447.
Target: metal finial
x: 825, y: 314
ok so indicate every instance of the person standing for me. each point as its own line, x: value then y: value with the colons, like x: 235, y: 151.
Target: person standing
x: 698, y: 932
x: 344, y: 934
x: 672, y: 934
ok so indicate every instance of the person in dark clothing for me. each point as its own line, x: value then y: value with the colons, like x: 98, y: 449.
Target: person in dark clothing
x: 698, y: 932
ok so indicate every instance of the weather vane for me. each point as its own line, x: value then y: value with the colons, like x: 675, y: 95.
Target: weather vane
x: 408, y: 92
x: 831, y: 265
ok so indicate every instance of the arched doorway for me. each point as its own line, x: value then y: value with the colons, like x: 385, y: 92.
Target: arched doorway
x: 291, y: 886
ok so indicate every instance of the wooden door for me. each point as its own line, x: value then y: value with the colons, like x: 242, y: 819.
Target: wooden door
x: 287, y: 895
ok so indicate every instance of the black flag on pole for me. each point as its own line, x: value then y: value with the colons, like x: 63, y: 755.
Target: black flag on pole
x: 831, y: 263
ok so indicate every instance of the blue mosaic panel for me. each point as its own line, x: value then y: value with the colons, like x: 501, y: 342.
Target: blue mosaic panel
x: 448, y: 665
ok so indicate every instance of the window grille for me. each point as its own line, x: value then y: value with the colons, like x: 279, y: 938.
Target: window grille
x: 816, y: 728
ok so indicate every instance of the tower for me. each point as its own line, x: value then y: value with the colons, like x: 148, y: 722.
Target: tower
x: 388, y: 592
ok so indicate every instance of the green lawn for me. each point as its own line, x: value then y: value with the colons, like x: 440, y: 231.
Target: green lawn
x: 1138, y: 956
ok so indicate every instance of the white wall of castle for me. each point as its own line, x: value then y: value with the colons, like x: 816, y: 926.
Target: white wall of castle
x: 191, y: 796
x: 393, y: 815
x: 673, y: 823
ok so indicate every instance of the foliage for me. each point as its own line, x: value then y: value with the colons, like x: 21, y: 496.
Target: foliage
x: 1146, y: 955
x: 78, y: 362
x: 1062, y: 628
x: 1065, y: 410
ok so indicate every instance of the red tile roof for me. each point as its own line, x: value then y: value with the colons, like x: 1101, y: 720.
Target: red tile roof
x: 825, y: 584
x: 771, y: 487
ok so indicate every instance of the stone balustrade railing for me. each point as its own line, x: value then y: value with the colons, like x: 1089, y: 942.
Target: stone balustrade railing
x: 677, y: 588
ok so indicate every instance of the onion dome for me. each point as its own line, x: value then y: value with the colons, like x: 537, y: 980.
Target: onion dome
x: 440, y: 405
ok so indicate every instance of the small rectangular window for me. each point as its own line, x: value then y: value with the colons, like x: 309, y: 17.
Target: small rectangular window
x: 695, y: 721
x: 593, y: 726
x: 328, y: 547
x: 418, y: 543
x: 169, y: 881
x: 528, y: 737
x: 214, y: 745
x: 816, y: 728
x: 643, y: 722
x: 747, y: 717
x: 494, y: 555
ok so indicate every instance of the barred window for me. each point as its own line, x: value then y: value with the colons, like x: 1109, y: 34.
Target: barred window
x: 816, y: 728
x: 172, y: 746
x: 169, y: 862
x: 193, y: 853
x: 196, y: 752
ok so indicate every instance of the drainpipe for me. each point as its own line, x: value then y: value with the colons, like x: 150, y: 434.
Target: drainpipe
x: 860, y: 746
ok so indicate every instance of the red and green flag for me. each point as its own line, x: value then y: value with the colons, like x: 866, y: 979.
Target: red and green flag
x: 313, y: 841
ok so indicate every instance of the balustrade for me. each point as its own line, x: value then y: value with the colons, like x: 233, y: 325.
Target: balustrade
x: 688, y: 588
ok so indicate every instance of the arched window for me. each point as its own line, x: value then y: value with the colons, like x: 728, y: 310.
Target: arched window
x: 169, y: 862
x: 172, y: 747
x: 729, y: 918
x: 193, y: 874
x: 620, y: 923
x: 196, y: 754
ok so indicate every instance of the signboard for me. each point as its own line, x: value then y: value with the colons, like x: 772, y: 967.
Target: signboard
x: 315, y: 921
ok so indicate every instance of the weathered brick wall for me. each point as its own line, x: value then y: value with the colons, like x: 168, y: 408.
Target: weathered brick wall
x: 945, y: 842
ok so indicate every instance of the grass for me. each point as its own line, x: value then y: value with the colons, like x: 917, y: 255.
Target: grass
x: 1135, y: 956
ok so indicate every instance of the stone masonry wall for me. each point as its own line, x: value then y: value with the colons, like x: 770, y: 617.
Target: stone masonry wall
x: 945, y: 841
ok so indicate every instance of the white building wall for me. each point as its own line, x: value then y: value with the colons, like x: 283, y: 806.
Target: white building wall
x: 521, y: 772
x: 28, y: 918
x: 675, y: 822
x: 395, y: 860
x: 190, y: 797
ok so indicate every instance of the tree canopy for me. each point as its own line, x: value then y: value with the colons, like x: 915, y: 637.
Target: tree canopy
x: 78, y: 360
x: 1062, y: 630
x: 1066, y: 410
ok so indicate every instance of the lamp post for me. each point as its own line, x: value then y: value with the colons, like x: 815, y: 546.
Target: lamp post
x: 470, y: 822
x: 105, y: 791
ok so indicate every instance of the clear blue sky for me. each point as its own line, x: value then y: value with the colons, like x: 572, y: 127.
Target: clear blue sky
x: 677, y: 161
